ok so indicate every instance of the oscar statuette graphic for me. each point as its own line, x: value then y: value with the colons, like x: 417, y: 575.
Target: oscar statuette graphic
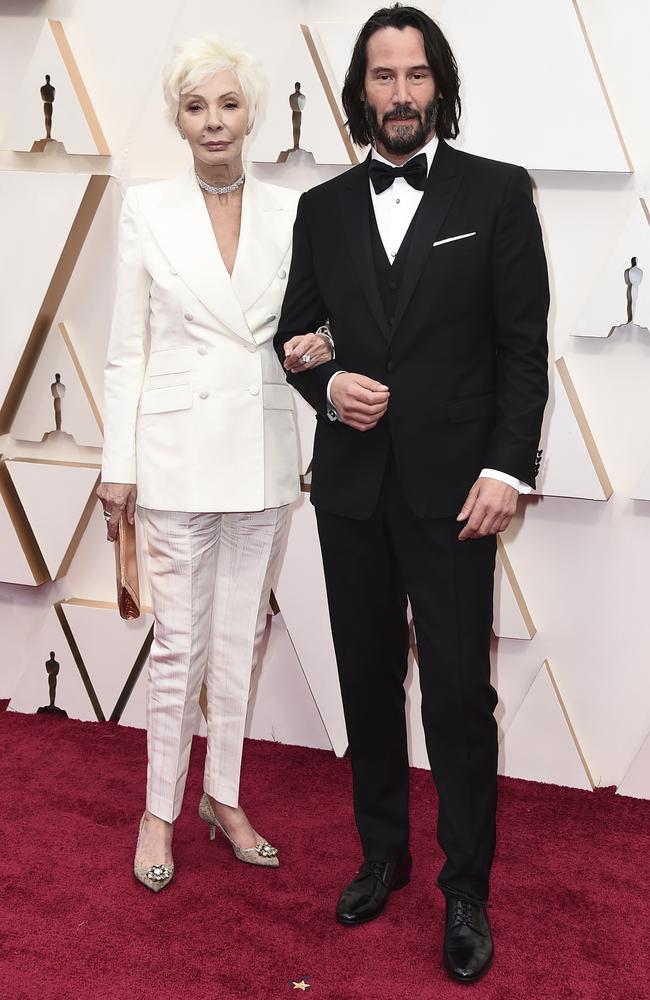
x: 57, y: 389
x: 52, y: 667
x: 48, y: 93
x: 633, y: 278
x: 295, y: 154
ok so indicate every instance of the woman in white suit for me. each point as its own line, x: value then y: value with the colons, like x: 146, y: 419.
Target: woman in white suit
x: 200, y: 432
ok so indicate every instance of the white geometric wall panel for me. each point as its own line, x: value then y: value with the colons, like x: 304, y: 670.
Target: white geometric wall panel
x: 55, y: 496
x: 571, y: 464
x: 642, y: 488
x: 32, y: 690
x: 608, y: 303
x: 74, y: 122
x: 300, y: 592
x: 36, y: 416
x: 540, y: 744
x: 29, y: 253
x: 541, y: 111
x: 87, y: 317
x: 273, y: 716
x: 109, y: 646
x: 637, y: 779
x: 512, y: 618
x: 14, y: 564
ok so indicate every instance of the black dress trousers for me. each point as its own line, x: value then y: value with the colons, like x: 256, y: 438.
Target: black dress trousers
x: 370, y: 568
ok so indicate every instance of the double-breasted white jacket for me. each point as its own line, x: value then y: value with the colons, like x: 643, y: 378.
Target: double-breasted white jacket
x: 197, y: 410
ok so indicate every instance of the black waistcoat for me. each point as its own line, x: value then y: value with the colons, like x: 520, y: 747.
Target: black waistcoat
x: 389, y: 276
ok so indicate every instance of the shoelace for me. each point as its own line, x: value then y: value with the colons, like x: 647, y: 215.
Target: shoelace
x: 465, y: 913
x: 375, y: 868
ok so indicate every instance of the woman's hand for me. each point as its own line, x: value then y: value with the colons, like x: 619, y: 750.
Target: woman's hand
x: 116, y: 498
x: 307, y: 345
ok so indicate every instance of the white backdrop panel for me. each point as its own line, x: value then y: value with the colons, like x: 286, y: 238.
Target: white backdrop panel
x: 37, y: 213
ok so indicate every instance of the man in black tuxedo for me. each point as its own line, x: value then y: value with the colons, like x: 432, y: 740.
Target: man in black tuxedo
x: 428, y: 266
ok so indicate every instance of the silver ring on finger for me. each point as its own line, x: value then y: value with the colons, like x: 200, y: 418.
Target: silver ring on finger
x: 306, y: 358
x: 107, y: 516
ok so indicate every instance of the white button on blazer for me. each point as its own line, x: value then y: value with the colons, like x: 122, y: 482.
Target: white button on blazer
x: 184, y: 329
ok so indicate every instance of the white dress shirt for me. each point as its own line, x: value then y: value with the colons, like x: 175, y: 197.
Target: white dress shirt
x: 394, y: 210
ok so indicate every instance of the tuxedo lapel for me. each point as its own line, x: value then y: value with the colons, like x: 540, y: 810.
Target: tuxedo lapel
x: 356, y: 216
x: 442, y: 185
x: 181, y: 226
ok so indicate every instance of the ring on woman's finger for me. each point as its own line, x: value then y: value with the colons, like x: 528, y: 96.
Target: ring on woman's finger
x: 107, y: 515
x: 306, y: 358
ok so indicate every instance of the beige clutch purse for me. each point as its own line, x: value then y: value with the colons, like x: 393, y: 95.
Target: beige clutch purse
x: 126, y: 567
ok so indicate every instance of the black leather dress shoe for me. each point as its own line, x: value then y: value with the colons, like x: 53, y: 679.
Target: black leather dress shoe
x: 366, y: 895
x: 468, y: 946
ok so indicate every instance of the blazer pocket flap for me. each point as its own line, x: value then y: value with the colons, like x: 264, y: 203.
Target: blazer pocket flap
x: 173, y: 397
x: 471, y: 408
x: 170, y: 362
x: 277, y: 396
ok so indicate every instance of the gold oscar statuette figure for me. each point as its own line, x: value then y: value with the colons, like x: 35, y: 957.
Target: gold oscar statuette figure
x: 52, y: 667
x: 58, y: 395
x: 48, y: 92
x: 297, y: 101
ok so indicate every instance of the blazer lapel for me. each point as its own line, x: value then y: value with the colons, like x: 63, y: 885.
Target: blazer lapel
x: 181, y: 226
x: 265, y: 237
x: 356, y: 216
x: 442, y: 185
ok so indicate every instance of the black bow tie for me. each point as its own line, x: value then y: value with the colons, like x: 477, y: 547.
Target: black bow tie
x: 414, y: 173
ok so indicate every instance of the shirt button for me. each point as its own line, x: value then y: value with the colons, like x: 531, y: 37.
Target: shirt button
x: 204, y: 394
x: 397, y: 200
x: 252, y: 348
x: 254, y: 390
x: 189, y: 317
x: 203, y: 349
x: 393, y: 253
x: 282, y: 274
x: 392, y: 285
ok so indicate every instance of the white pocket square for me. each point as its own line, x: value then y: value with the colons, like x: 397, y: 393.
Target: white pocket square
x: 450, y: 239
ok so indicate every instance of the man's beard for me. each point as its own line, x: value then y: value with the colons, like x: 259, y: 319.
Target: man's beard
x: 409, y: 137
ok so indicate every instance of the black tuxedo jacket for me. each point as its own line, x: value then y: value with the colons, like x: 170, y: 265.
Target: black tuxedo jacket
x: 465, y: 356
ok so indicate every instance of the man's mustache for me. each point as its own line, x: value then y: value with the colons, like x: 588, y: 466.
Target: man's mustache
x: 403, y: 111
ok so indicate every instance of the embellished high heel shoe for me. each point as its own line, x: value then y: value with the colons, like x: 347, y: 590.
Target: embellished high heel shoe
x: 261, y: 854
x: 155, y: 877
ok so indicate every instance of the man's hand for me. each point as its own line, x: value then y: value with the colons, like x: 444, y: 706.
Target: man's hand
x: 115, y: 498
x: 359, y: 401
x: 488, y: 509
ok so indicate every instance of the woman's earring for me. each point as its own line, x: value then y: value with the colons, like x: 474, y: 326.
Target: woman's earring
x: 182, y: 134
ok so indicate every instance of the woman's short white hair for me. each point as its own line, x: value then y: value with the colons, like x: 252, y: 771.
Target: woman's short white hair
x: 197, y: 58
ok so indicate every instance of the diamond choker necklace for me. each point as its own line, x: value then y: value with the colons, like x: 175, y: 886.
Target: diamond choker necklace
x: 216, y: 189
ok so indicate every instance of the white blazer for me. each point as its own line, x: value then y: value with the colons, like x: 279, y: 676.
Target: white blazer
x: 197, y: 410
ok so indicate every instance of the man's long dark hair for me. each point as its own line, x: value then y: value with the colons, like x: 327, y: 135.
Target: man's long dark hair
x: 440, y: 59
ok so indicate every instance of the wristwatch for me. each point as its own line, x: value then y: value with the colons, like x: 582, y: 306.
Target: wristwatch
x: 324, y: 331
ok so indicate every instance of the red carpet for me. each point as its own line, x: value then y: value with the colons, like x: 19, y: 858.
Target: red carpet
x: 571, y: 908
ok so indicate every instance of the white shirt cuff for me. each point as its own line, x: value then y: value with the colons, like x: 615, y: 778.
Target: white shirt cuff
x: 331, y: 412
x: 503, y: 477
